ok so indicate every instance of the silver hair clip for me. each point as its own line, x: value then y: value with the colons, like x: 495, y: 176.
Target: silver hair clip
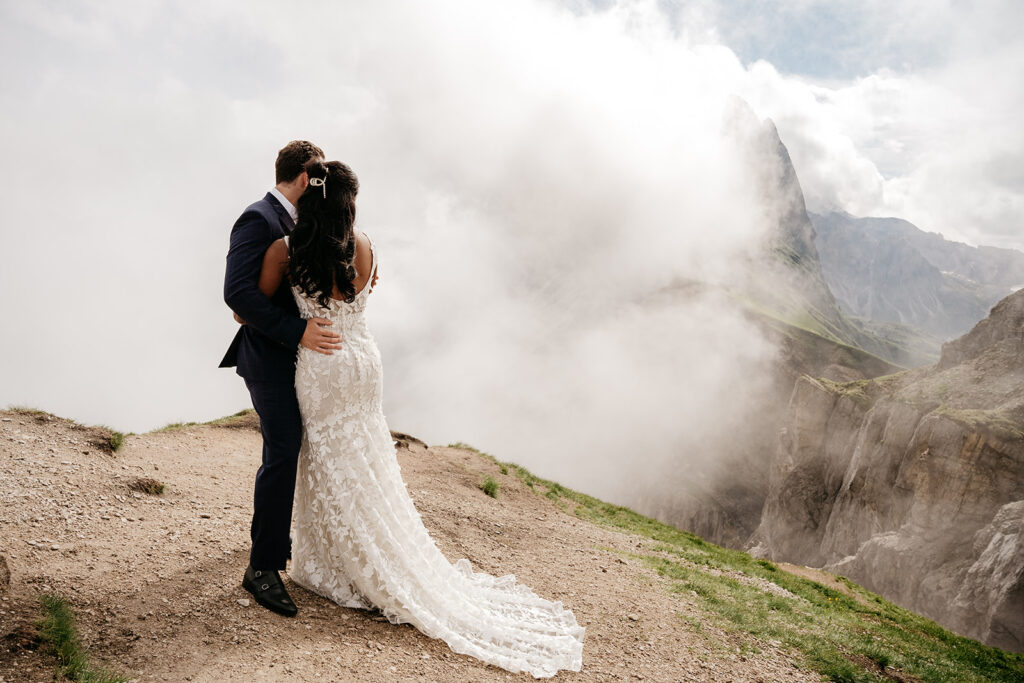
x: 319, y: 182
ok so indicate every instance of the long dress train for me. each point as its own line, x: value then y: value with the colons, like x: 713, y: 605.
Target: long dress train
x: 358, y: 539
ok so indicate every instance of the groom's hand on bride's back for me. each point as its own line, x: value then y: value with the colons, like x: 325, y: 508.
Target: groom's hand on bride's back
x: 319, y: 337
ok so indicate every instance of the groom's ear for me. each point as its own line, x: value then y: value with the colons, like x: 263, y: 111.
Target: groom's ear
x: 303, y: 179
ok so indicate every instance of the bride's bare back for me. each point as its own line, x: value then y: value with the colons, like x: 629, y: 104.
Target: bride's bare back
x: 275, y: 267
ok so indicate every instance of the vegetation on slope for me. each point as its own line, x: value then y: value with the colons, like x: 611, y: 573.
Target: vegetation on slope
x: 846, y: 635
x: 241, y: 419
x: 57, y: 627
x: 999, y: 423
x: 108, y: 440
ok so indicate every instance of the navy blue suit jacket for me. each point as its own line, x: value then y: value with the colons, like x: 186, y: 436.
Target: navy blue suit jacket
x: 264, y: 348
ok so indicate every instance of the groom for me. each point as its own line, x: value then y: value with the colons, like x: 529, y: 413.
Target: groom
x: 263, y: 352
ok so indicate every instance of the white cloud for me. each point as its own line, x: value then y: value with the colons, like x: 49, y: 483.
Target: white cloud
x: 927, y: 134
x: 531, y: 175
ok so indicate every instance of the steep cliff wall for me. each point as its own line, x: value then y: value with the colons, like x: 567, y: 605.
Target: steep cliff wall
x: 913, y: 484
x: 784, y: 293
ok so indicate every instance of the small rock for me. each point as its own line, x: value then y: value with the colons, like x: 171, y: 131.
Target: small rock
x: 243, y: 602
x: 204, y: 515
x: 633, y: 617
x: 54, y: 547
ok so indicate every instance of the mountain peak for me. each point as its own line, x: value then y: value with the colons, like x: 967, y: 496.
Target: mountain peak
x: 1003, y: 329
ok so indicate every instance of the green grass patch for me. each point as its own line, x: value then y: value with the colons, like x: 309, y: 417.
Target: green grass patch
x: 994, y: 422
x: 26, y: 410
x: 234, y: 418
x: 239, y: 418
x: 865, y: 391
x: 104, y: 438
x: 116, y: 440
x: 109, y: 439
x: 490, y: 486
x: 502, y: 467
x: 175, y: 426
x: 857, y: 390
x: 148, y: 486
x: 829, y: 630
x: 57, y: 627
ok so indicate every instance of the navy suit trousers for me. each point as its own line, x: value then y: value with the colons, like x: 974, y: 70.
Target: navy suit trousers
x: 281, y: 424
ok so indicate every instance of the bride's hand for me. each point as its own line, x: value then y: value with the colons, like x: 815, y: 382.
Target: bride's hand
x: 373, y: 282
x: 238, y: 318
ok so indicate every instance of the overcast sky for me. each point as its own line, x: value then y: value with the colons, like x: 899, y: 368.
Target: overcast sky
x: 135, y: 132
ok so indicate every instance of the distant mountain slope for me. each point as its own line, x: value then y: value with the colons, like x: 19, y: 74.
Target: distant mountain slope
x: 889, y: 271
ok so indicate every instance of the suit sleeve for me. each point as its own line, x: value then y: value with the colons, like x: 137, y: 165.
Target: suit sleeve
x: 250, y: 238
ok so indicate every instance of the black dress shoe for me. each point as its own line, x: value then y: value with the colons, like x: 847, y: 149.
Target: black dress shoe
x: 268, y: 589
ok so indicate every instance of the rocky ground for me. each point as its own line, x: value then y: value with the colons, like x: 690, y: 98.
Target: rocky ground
x: 155, y: 579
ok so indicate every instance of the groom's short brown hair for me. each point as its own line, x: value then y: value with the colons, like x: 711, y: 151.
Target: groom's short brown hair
x: 293, y: 157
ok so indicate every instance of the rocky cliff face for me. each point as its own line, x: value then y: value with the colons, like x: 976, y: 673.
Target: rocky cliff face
x: 913, y: 484
x: 787, y: 297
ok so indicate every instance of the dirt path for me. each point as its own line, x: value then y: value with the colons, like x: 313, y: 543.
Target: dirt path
x: 822, y: 577
x: 155, y: 580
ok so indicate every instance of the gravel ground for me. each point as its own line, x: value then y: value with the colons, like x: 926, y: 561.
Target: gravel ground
x: 155, y: 580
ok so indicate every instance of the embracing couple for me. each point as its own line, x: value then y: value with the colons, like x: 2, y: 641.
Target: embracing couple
x: 298, y: 279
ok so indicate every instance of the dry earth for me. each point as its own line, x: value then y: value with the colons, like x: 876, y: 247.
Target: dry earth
x: 155, y: 580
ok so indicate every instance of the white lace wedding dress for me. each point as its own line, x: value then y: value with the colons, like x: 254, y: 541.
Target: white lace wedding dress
x: 359, y: 540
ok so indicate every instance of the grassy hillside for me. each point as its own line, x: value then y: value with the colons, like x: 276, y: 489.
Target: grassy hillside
x: 842, y: 630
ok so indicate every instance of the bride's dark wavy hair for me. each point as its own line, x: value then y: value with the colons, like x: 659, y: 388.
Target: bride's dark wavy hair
x: 322, y: 248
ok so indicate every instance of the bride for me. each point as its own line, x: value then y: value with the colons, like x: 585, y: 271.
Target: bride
x: 358, y: 539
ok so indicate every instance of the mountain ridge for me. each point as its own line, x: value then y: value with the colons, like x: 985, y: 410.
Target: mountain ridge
x: 890, y: 271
